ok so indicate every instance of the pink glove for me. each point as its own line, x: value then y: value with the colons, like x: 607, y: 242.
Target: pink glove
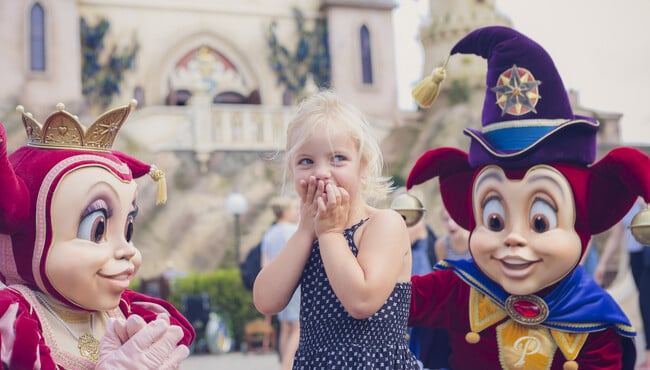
x: 134, y: 344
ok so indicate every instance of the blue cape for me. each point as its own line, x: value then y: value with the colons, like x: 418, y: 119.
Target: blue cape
x: 576, y: 304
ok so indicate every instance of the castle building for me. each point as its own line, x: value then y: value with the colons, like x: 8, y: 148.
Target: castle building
x: 218, y: 47
x: 206, y: 76
x: 220, y: 50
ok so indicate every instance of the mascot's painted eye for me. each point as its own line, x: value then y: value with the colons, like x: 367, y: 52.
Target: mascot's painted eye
x: 93, y: 226
x: 542, y: 216
x: 494, y: 215
x: 128, y: 228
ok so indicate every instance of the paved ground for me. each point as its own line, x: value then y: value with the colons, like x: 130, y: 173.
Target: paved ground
x: 624, y: 292
x: 233, y: 360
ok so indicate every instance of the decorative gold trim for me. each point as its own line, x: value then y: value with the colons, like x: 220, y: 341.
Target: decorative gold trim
x: 475, y: 283
x: 525, y: 123
x: 483, y: 312
x: 487, y: 147
x: 569, y: 343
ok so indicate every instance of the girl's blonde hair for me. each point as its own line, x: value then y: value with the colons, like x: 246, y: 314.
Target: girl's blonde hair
x: 324, y: 113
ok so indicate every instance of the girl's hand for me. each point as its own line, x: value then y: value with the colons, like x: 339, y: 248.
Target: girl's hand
x: 309, y: 191
x: 333, y: 210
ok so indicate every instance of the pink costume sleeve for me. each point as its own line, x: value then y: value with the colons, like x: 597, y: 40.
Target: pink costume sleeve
x: 148, y: 308
x: 21, y: 341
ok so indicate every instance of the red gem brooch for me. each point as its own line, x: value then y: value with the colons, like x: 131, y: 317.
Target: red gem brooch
x: 526, y: 309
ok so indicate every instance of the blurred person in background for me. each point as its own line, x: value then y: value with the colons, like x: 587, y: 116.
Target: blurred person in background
x: 455, y: 244
x: 287, y: 213
x: 639, y: 261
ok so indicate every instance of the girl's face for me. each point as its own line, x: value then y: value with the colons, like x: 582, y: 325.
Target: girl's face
x: 92, y: 258
x: 332, y: 158
x: 524, y: 237
x: 452, y: 228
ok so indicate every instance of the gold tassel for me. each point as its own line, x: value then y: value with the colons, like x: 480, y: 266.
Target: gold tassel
x: 159, y: 177
x: 427, y: 90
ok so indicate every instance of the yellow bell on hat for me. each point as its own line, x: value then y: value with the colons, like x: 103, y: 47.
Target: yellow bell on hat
x: 410, y: 207
x: 640, y: 227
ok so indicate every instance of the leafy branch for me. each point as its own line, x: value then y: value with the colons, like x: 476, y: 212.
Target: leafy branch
x: 309, y: 58
x: 101, y: 81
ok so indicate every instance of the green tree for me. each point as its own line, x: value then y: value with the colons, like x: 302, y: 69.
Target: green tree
x: 310, y: 57
x: 459, y: 91
x: 101, y: 77
x: 228, y: 297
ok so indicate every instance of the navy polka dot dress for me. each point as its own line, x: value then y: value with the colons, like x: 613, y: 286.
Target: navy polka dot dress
x: 332, y: 339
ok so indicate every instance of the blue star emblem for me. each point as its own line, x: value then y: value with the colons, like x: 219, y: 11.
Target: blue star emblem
x: 517, y: 91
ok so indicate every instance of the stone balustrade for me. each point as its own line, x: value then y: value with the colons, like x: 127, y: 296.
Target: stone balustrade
x: 205, y: 128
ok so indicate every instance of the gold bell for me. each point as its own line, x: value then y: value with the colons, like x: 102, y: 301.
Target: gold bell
x: 410, y: 207
x: 640, y: 227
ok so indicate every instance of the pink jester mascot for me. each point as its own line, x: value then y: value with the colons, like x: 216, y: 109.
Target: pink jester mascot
x: 67, y: 214
x: 532, y: 197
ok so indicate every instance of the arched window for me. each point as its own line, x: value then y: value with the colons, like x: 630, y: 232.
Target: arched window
x: 37, y: 38
x: 229, y: 97
x: 366, y: 55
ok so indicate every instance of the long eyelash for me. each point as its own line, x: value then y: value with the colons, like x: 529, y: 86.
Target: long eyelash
x: 97, y: 205
x: 134, y: 212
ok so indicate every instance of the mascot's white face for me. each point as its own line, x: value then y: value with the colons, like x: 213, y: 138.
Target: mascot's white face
x: 92, y: 258
x: 524, y: 238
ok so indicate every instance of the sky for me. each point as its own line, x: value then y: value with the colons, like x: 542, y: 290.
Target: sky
x: 601, y: 49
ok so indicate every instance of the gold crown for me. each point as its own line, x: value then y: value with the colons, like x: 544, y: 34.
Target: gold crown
x: 64, y: 131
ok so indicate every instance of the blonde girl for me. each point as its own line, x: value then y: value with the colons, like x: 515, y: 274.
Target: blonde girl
x: 352, y: 260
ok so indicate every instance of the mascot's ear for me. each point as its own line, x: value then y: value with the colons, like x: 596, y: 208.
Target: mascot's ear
x: 455, y: 176
x: 615, y: 183
x: 437, y: 162
x: 14, y: 197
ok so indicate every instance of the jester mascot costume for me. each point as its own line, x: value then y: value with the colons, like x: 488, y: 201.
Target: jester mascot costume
x: 67, y: 214
x: 532, y: 196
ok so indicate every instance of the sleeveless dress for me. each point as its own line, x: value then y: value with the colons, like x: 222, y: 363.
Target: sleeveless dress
x: 332, y: 339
